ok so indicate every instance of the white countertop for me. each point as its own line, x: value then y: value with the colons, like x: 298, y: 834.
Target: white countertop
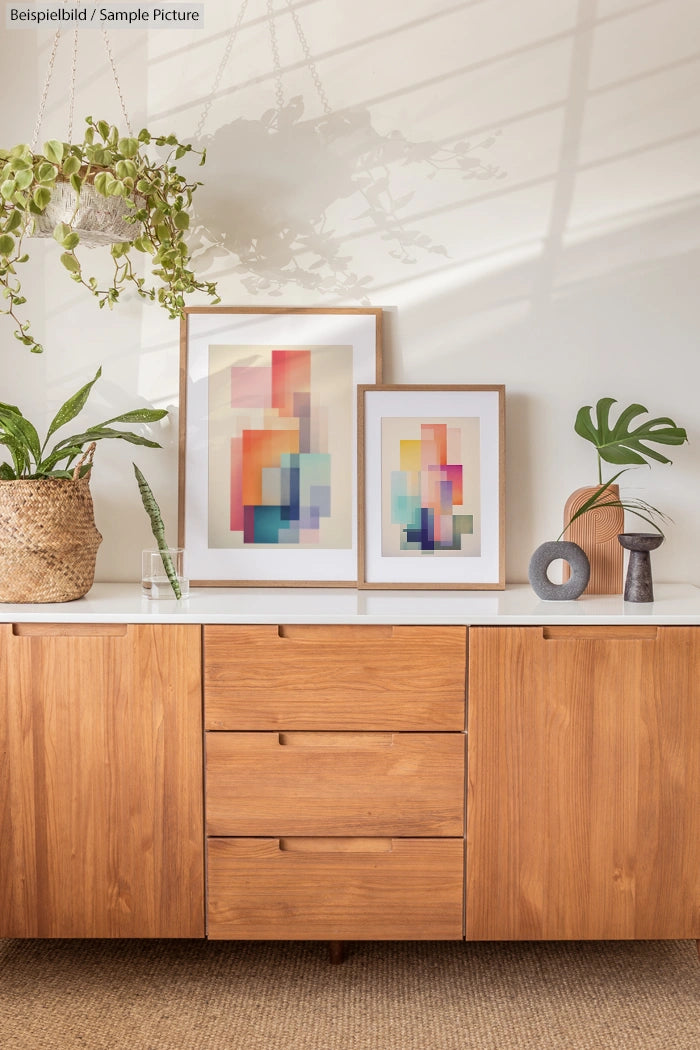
x: 517, y: 604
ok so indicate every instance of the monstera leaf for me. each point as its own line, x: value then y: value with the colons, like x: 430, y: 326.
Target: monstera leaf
x: 617, y: 443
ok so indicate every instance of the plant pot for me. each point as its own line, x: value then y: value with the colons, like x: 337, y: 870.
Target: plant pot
x: 596, y: 533
x: 48, y: 540
x: 96, y: 219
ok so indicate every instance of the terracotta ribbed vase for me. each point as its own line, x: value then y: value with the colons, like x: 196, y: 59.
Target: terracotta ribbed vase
x: 596, y: 533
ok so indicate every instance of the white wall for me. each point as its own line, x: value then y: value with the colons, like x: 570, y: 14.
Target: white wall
x: 566, y: 267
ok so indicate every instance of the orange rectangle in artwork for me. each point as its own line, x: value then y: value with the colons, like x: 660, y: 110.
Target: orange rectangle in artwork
x: 263, y: 448
x: 437, y: 433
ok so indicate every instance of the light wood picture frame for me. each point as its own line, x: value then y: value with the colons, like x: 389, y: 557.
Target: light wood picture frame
x: 268, y: 442
x: 431, y: 487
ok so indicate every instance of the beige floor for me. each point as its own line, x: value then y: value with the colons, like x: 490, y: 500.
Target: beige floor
x: 182, y: 995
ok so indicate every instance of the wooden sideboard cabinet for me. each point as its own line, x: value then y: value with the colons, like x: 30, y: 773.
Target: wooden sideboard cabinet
x: 584, y: 783
x: 101, y: 829
x: 335, y: 781
x: 337, y: 762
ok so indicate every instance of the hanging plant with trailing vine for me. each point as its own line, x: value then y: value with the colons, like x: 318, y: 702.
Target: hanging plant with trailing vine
x: 155, y: 198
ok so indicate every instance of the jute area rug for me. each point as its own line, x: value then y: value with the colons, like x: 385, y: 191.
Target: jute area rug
x: 187, y: 995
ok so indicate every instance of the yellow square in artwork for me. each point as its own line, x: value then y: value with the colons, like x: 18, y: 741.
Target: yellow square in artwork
x: 410, y: 455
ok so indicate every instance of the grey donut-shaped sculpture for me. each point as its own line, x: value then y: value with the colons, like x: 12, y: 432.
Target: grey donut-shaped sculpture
x: 578, y: 563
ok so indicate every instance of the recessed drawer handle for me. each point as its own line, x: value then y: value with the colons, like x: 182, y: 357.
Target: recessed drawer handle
x: 346, y: 632
x: 334, y: 845
x: 69, y: 630
x: 603, y: 633
x: 347, y: 741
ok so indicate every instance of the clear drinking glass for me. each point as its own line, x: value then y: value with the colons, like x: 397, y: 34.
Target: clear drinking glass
x: 154, y: 578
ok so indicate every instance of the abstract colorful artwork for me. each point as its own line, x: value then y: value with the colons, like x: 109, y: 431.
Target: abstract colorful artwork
x: 268, y: 470
x: 431, y: 482
x: 432, y: 500
x: 278, y: 461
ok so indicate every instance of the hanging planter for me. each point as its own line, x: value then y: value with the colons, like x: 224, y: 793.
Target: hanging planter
x: 105, y: 190
x: 98, y: 220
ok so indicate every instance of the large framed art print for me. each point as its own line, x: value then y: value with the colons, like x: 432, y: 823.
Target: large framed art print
x: 431, y: 480
x: 268, y: 443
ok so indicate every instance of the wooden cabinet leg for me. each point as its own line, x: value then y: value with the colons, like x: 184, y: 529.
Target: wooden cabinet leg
x: 336, y: 952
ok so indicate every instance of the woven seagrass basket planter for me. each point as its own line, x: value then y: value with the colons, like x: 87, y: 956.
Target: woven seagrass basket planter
x: 48, y: 540
x: 98, y: 220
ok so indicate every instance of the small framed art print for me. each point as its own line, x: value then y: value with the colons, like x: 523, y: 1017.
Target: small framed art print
x: 431, y: 477
x: 268, y: 442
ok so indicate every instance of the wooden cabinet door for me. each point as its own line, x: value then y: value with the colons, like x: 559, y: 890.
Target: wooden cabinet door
x: 583, y: 813
x: 100, y: 781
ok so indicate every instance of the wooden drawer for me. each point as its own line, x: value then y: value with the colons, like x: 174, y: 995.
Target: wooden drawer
x: 334, y: 677
x: 309, y: 783
x: 335, y: 889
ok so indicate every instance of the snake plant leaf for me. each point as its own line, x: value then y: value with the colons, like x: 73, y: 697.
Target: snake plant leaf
x: 70, y: 408
x: 617, y: 443
x: 158, y: 529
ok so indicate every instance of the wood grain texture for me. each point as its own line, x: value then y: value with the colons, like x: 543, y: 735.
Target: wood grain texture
x: 101, y: 823
x: 400, y: 784
x: 407, y: 889
x: 583, y: 788
x: 596, y: 533
x: 346, y: 677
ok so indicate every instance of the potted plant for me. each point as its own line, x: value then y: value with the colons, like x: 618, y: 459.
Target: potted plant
x: 72, y: 191
x: 594, y: 516
x: 48, y: 538
x: 593, y: 535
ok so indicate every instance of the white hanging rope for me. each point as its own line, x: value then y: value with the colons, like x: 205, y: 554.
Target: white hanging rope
x: 71, y: 98
x: 72, y: 85
x: 45, y: 92
x: 116, y: 81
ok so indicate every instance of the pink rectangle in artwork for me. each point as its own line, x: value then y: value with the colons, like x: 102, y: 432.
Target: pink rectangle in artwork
x: 291, y: 373
x: 251, y: 386
x: 236, y: 491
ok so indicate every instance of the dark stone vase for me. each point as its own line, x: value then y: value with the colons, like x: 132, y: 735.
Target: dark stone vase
x: 638, y: 583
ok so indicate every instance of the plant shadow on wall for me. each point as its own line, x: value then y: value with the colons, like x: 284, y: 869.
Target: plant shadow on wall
x: 270, y: 206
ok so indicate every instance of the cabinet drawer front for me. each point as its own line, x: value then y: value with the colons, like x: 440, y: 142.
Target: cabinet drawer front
x: 334, y: 677
x: 310, y: 783
x: 335, y: 889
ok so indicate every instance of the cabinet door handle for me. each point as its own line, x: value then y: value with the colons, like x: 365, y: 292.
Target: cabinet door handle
x: 334, y: 845
x: 602, y: 632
